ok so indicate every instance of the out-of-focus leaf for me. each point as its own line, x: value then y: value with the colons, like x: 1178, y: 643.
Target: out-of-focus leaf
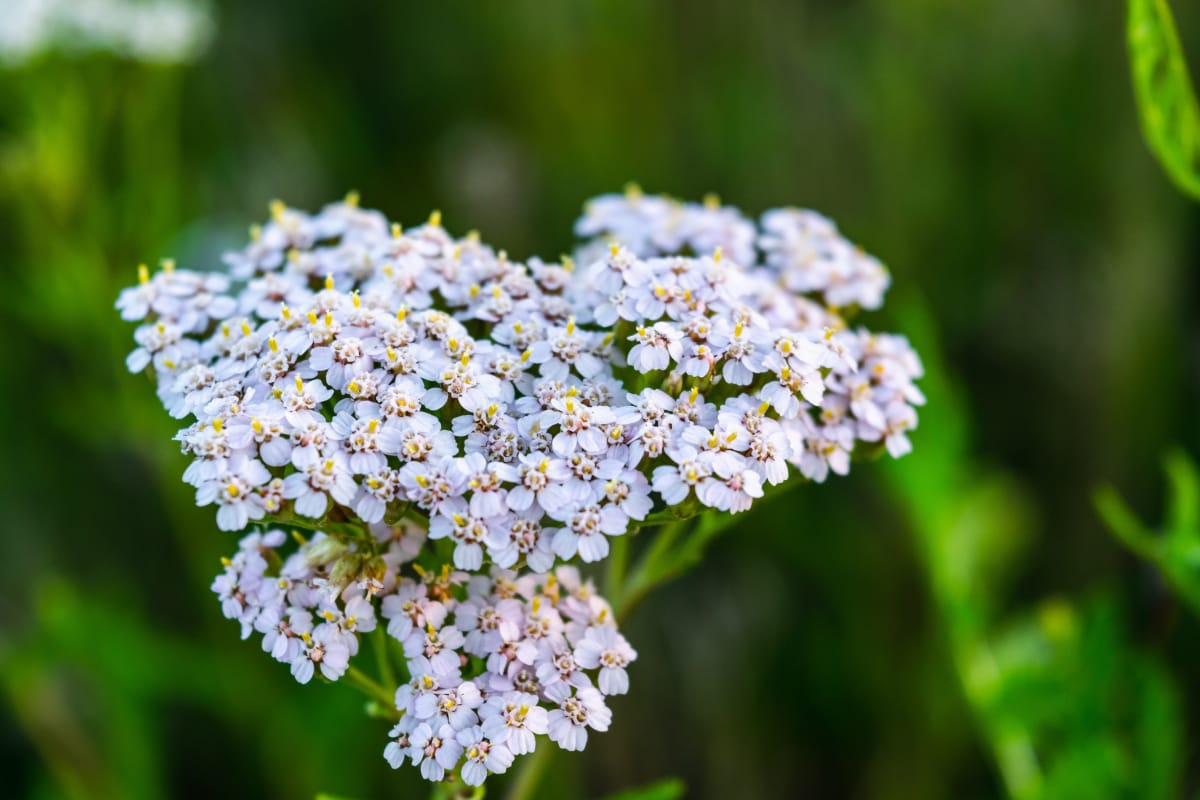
x: 1166, y: 100
x: 1101, y: 718
x: 1175, y: 550
x: 668, y: 789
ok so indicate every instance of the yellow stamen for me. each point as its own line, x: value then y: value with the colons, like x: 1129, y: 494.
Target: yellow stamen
x: 353, y: 387
x: 712, y: 201
x: 256, y: 425
x: 168, y: 265
x: 277, y: 209
x: 355, y: 299
x: 299, y: 384
x: 143, y: 273
x: 373, y: 426
x: 246, y: 329
x: 233, y: 490
x: 692, y: 396
x: 218, y: 424
x: 717, y: 253
x: 401, y: 313
x: 329, y: 281
x: 397, y: 230
x: 352, y: 198
x: 633, y: 192
x: 226, y: 562
x: 435, y: 218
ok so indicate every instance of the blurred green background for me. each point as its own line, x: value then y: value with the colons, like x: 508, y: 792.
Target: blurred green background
x: 958, y: 624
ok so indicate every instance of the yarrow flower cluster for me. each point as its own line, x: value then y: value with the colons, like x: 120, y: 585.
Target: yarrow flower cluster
x: 381, y: 385
x: 494, y: 660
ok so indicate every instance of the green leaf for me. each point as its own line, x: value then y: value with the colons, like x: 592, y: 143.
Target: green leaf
x: 668, y: 789
x: 1165, y: 97
x: 1175, y: 551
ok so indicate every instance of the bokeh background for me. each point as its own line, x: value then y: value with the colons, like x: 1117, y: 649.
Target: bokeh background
x: 959, y: 624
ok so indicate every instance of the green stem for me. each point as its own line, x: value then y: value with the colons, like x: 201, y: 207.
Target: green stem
x: 618, y: 562
x: 379, y: 642
x: 530, y: 773
x: 359, y: 680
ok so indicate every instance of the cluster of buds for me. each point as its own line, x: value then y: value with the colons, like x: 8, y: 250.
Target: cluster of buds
x: 353, y: 377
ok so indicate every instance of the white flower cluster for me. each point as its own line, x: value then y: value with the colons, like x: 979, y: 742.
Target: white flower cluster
x: 155, y: 31
x: 352, y: 377
x: 494, y: 660
x: 802, y: 247
x: 529, y: 410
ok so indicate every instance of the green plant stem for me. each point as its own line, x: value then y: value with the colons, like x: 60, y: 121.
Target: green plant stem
x: 651, y: 569
x: 361, y: 681
x: 530, y: 773
x: 618, y: 563
x: 379, y: 641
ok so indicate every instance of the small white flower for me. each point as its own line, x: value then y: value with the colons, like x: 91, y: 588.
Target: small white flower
x: 578, y: 710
